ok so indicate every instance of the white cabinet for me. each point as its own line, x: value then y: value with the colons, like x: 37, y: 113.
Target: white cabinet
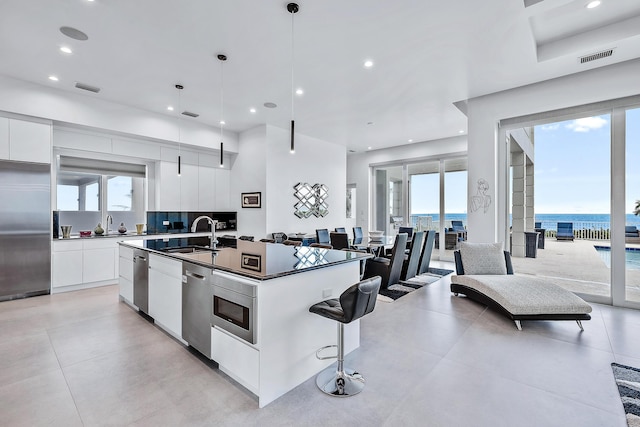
x: 236, y: 358
x: 165, y: 293
x: 29, y: 141
x: 223, y: 183
x: 4, y: 138
x: 206, y: 188
x: 66, y: 263
x: 125, y: 261
x: 98, y: 265
x: 189, y: 188
x: 167, y: 186
x: 82, y: 262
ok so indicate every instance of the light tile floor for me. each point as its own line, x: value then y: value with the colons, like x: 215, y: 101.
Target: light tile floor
x: 84, y: 358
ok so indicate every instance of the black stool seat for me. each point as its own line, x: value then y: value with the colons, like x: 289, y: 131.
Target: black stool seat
x: 355, y: 302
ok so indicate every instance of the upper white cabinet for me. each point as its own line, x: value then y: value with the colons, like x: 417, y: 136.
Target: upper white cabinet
x: 4, y: 138
x: 25, y: 141
x: 223, y: 183
x: 206, y: 188
x: 167, y: 186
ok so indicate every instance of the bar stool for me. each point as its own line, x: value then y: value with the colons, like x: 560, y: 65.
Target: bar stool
x: 357, y: 301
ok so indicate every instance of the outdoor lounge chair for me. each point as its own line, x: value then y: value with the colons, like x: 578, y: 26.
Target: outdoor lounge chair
x: 565, y: 231
x: 487, y: 277
x: 459, y: 228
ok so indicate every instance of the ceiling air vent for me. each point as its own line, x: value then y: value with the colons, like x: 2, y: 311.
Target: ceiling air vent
x: 190, y: 114
x: 599, y: 55
x: 90, y: 88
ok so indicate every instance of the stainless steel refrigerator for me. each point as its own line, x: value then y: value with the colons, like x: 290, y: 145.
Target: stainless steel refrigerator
x: 25, y: 224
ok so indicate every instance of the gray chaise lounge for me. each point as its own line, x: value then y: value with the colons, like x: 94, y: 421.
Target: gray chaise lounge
x: 519, y: 297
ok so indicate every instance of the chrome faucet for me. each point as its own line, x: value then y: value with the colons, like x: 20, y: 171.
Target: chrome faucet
x: 106, y: 224
x: 212, y: 223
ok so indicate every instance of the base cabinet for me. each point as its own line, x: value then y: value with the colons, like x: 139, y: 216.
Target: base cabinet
x: 125, y: 261
x: 165, y: 293
x: 236, y: 358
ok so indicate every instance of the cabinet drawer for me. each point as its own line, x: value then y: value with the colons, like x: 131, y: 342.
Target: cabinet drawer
x: 126, y: 252
x: 100, y: 243
x: 125, y: 268
x: 67, y: 245
x: 166, y: 266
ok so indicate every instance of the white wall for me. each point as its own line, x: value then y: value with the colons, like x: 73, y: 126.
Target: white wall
x: 484, y: 113
x: 249, y: 175
x: 265, y: 164
x: 359, y: 167
x: 90, y: 110
x: 314, y: 162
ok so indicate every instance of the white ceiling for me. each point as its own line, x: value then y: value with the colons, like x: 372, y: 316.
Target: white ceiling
x: 427, y: 54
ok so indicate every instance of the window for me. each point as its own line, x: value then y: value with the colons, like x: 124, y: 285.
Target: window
x: 88, y: 190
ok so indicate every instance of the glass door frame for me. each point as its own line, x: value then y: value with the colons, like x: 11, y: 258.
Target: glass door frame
x: 406, y: 192
x: 617, y: 110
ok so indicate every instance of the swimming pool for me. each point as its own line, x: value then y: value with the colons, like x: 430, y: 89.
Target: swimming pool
x: 632, y: 256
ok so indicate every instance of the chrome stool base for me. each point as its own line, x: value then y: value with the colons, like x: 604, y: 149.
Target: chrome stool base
x: 340, y: 384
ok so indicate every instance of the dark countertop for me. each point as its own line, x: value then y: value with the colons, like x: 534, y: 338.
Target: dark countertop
x: 256, y: 260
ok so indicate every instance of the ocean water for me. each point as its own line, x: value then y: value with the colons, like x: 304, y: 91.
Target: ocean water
x: 549, y: 221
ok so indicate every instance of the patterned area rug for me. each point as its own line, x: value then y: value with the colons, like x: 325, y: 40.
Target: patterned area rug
x: 403, y: 288
x: 628, y: 381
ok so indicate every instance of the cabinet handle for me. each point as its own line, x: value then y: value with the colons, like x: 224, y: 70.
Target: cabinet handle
x: 195, y: 275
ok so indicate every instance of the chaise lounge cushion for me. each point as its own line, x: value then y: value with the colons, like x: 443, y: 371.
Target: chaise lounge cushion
x: 522, y: 295
x: 482, y: 258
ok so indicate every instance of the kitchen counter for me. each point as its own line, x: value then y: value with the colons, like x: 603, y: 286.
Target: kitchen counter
x: 256, y: 260
x: 263, y: 292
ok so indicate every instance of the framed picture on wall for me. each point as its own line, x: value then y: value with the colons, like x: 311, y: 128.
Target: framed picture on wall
x: 252, y: 200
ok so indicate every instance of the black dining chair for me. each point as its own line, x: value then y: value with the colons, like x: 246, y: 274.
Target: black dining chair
x: 322, y: 236
x: 427, y: 249
x: 388, y: 268
x: 408, y: 230
x: 320, y: 245
x: 292, y: 242
x: 341, y: 230
x: 412, y: 261
x: 339, y: 240
x: 357, y: 235
x: 279, y: 237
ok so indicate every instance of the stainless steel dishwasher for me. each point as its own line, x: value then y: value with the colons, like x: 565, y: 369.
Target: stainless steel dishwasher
x: 196, y: 307
x: 141, y: 280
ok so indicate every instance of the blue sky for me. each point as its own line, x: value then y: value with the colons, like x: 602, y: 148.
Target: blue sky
x: 573, y: 165
x: 572, y: 170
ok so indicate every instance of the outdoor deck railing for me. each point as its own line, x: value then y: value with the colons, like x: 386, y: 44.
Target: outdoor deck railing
x: 587, y: 230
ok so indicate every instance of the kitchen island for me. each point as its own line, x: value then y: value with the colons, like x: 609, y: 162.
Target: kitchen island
x: 251, y: 298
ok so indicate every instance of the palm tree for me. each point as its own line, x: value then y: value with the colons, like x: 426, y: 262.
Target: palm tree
x: 636, y: 210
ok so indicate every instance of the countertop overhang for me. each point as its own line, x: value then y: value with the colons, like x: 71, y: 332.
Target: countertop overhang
x: 256, y: 260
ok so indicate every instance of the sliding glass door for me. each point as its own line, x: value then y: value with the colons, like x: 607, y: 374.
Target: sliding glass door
x: 421, y: 203
x: 632, y: 205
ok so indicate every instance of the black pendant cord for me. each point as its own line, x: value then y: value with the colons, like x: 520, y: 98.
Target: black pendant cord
x: 293, y: 9
x: 222, y: 59
x: 179, y: 87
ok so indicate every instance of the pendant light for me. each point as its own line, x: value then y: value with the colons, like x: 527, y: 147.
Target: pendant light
x: 222, y: 58
x: 179, y: 87
x: 293, y: 9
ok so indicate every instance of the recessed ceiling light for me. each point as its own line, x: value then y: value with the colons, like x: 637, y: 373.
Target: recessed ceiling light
x: 170, y: 108
x: 411, y: 140
x: 53, y: 78
x: 593, y: 4
x: 460, y: 131
x: 368, y: 148
x: 222, y: 122
x: 299, y: 91
x: 368, y: 63
x: 65, y: 49
x: 252, y: 110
